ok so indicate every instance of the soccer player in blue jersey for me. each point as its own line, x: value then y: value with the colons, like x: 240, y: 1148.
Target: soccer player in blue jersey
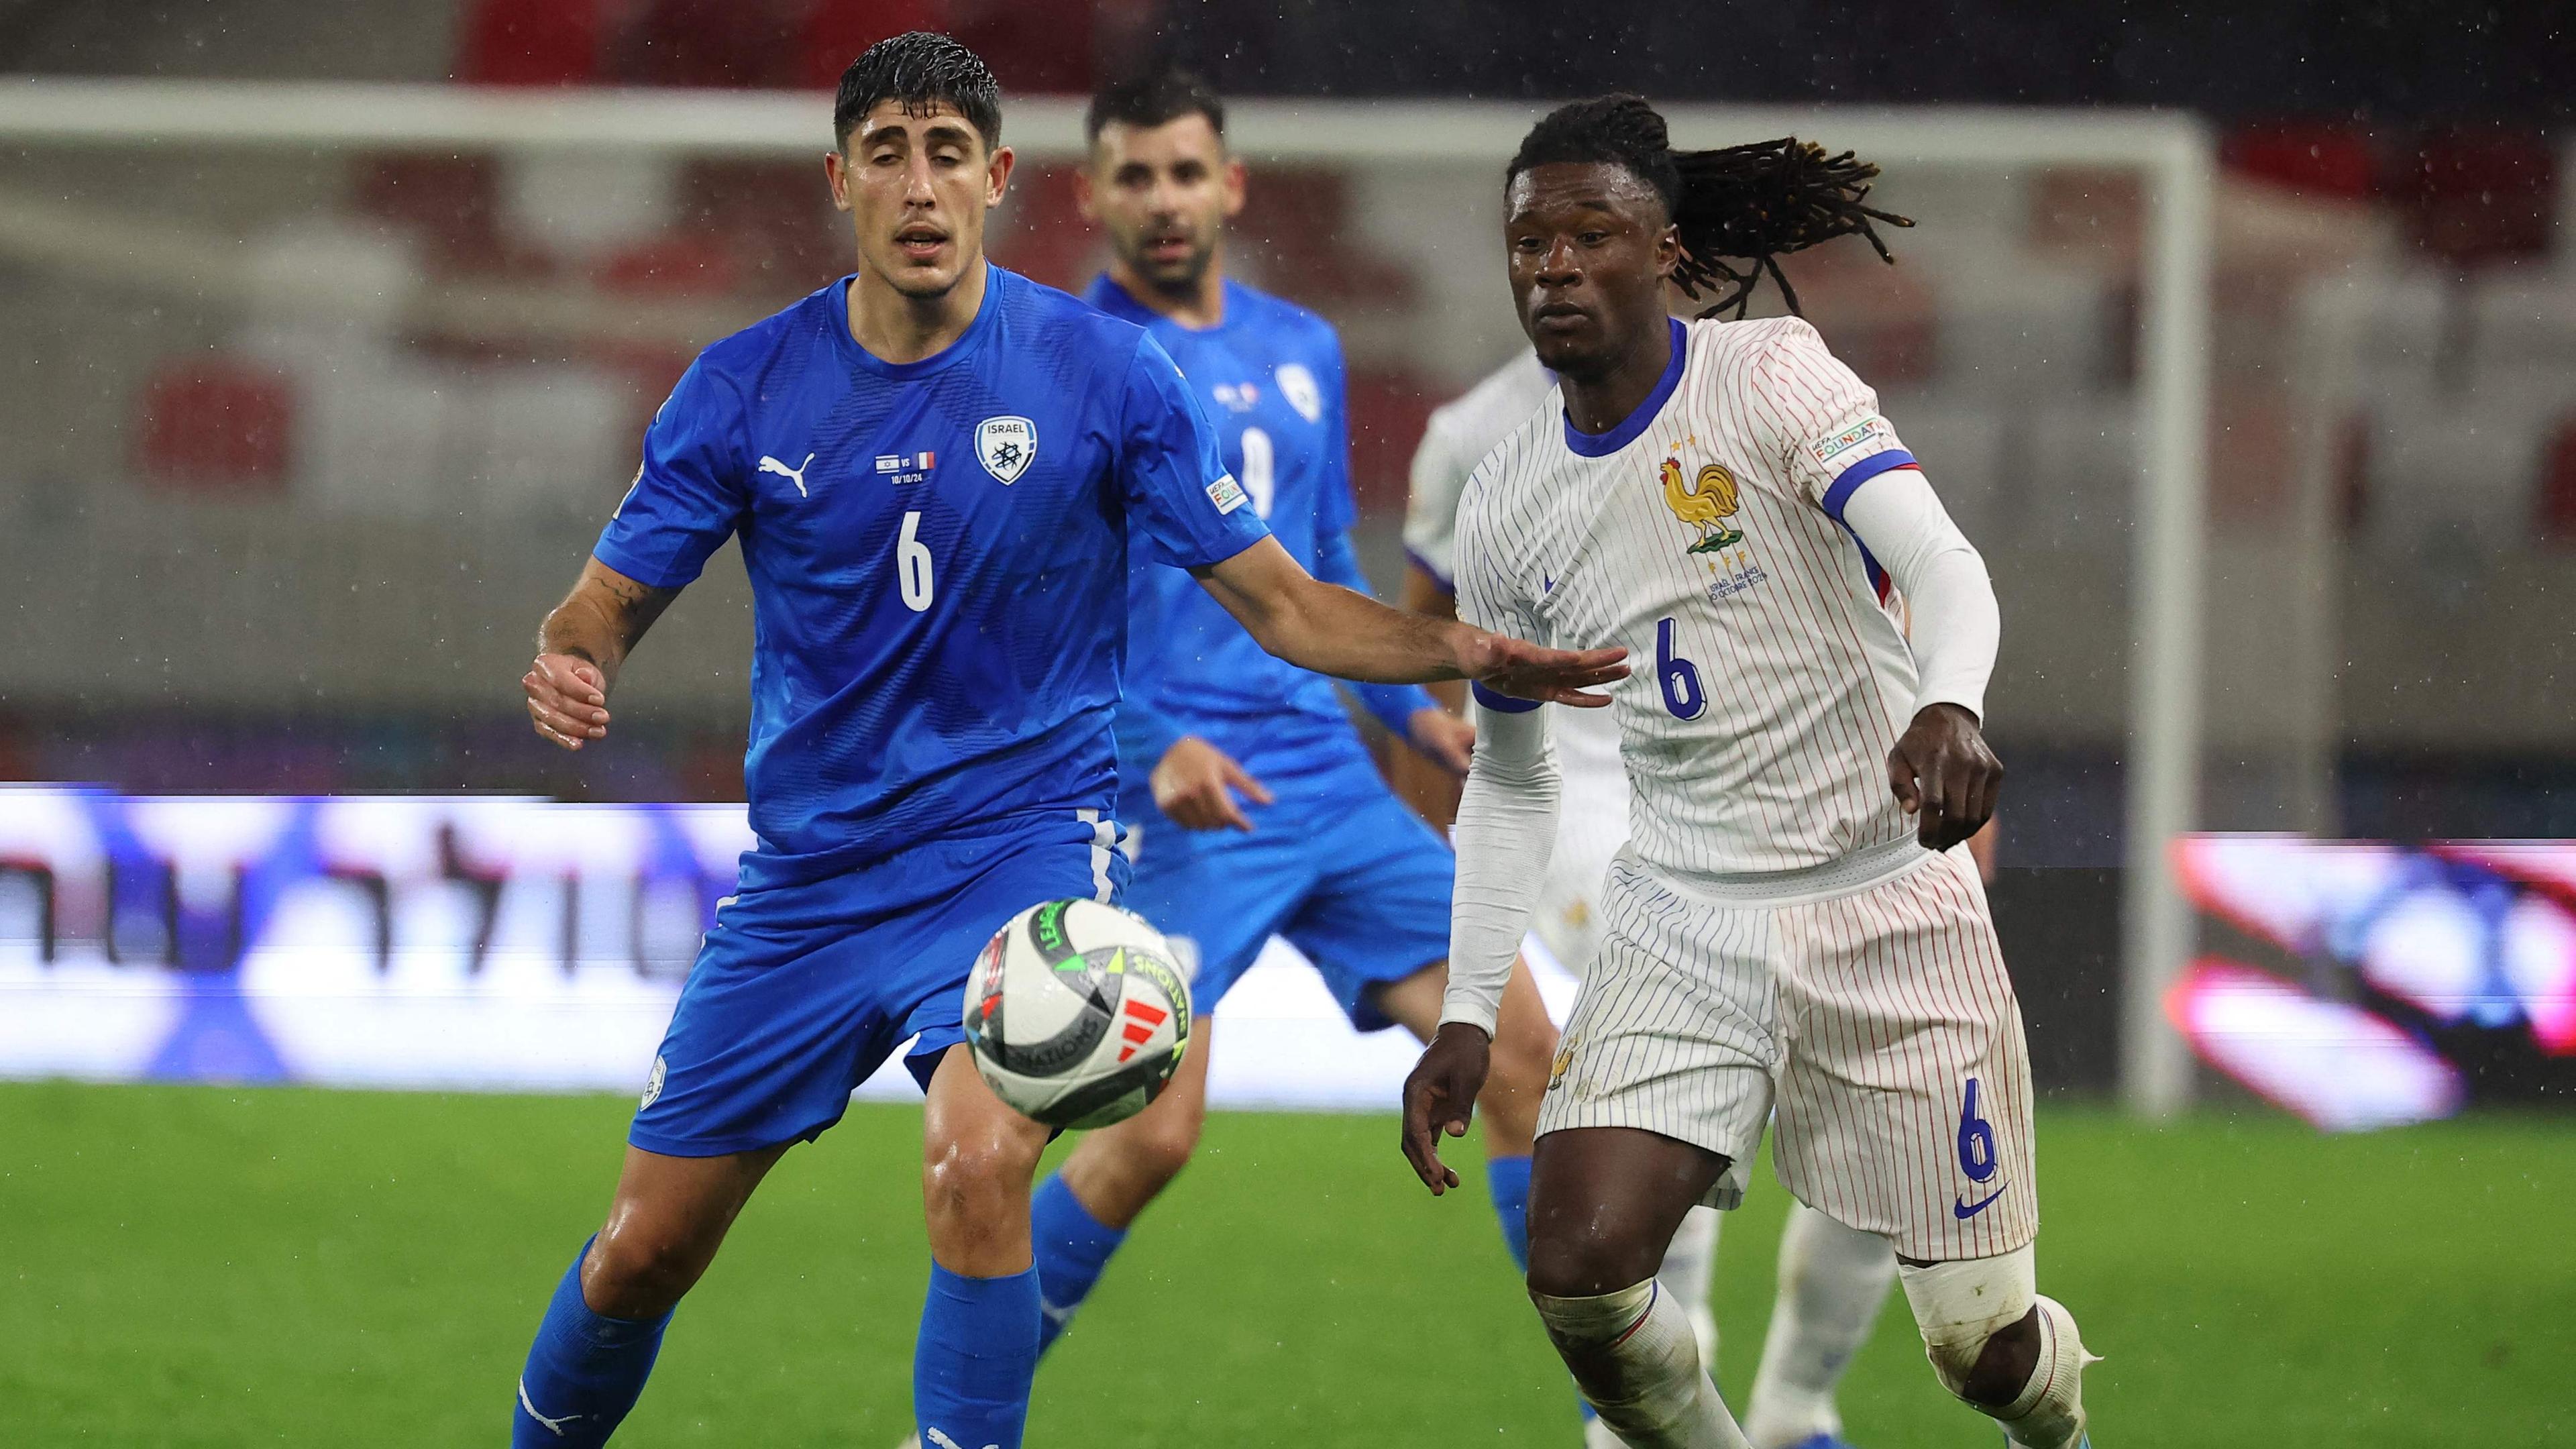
x: 1254, y: 807
x: 938, y: 472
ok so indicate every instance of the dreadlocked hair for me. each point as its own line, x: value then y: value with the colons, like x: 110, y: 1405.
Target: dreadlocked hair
x: 1738, y: 209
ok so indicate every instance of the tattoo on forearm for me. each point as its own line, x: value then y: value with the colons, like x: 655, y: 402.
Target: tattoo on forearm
x: 601, y: 619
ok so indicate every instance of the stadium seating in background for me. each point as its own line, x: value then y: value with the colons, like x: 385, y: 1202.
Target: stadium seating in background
x: 2476, y: 196
x: 2443, y: 474
x: 2522, y: 328
x: 1965, y: 449
x: 1042, y: 233
x: 2316, y: 158
x: 1389, y: 408
x: 2557, y: 512
x: 530, y: 42
x: 218, y: 425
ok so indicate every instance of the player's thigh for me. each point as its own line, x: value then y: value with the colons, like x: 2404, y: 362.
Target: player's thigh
x: 1218, y: 896
x: 1672, y: 1032
x: 1378, y: 913
x: 1604, y: 1204
x: 1905, y: 1099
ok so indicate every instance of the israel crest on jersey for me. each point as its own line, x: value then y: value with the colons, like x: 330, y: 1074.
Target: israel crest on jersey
x: 1298, y: 386
x: 1006, y: 446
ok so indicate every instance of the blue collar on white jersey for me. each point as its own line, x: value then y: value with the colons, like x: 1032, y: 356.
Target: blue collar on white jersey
x: 1602, y: 445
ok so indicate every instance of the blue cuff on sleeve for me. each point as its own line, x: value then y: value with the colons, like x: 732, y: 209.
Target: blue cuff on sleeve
x: 1503, y: 703
x: 626, y: 561
x: 1861, y: 472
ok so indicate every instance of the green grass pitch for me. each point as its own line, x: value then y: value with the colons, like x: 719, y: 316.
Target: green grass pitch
x: 201, y: 1267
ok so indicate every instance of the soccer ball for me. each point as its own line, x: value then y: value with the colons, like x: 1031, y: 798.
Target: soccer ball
x: 1077, y: 1014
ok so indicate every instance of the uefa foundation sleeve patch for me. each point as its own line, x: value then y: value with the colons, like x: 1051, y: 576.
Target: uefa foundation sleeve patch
x: 1869, y: 435
x: 1226, y: 494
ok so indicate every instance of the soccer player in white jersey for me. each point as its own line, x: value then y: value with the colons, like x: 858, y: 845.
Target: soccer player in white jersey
x: 1792, y: 915
x: 1832, y: 1280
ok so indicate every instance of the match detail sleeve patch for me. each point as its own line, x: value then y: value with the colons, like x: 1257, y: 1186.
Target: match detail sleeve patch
x: 1227, y: 494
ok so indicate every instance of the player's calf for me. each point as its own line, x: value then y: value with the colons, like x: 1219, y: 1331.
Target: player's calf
x: 2001, y: 1347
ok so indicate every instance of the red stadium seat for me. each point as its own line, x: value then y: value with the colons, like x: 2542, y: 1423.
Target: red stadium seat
x: 530, y: 43
x: 1388, y: 413
x: 216, y: 426
x: 2557, y: 501
x: 836, y: 31
x: 2319, y: 158
x: 1042, y: 233
x: 2476, y: 196
x: 452, y: 206
x: 730, y: 44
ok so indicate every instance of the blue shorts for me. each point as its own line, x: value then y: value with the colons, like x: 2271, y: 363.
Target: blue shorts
x: 1362, y: 888
x: 801, y: 991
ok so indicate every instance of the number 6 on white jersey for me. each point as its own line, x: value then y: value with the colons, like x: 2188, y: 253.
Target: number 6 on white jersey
x: 912, y: 564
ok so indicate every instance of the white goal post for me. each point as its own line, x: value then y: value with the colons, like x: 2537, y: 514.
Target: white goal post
x: 2172, y: 153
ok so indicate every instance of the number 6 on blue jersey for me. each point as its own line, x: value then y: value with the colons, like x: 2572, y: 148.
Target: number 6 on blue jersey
x: 912, y: 564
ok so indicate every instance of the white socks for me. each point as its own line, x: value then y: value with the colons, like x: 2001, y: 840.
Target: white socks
x: 1960, y: 1304
x: 1632, y: 1354
x: 1689, y: 1263
x: 1833, y: 1281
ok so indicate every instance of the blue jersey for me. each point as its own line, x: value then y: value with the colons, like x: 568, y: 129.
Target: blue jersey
x: 1270, y: 376
x: 937, y: 553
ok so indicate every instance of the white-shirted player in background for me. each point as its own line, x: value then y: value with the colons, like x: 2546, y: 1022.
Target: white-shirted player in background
x: 1793, y: 915
x: 1832, y: 1279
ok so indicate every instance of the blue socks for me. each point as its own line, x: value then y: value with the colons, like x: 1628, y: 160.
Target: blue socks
x: 1072, y: 1248
x: 584, y: 1371
x: 1507, y: 1178
x: 972, y: 1364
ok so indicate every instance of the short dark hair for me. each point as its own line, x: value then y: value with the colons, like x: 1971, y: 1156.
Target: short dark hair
x: 1154, y: 99
x: 920, y: 68
x: 1755, y: 203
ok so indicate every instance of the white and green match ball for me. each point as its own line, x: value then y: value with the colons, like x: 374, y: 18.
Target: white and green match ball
x: 1078, y: 1013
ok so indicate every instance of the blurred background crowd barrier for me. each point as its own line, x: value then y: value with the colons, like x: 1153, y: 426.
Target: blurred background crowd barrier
x: 320, y: 386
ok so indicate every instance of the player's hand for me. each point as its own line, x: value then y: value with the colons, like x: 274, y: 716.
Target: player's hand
x: 1944, y: 775
x: 1443, y: 738
x: 1195, y: 784
x: 1440, y: 1097
x: 567, y: 699
x: 1530, y: 671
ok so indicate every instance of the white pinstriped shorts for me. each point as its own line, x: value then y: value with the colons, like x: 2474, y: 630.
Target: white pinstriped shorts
x: 1866, y: 999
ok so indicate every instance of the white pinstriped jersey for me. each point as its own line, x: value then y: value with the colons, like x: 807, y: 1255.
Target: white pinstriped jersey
x: 1772, y: 675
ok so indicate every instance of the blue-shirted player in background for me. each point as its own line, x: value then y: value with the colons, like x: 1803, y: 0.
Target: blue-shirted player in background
x: 935, y: 469
x: 1318, y: 849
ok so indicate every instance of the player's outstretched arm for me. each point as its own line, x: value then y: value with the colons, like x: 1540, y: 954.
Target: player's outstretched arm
x: 579, y: 649
x: 1331, y: 630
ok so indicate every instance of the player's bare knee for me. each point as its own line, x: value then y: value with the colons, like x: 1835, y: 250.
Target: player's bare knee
x: 639, y: 1269
x: 2003, y: 1363
x: 1582, y: 1256
x: 969, y: 1177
